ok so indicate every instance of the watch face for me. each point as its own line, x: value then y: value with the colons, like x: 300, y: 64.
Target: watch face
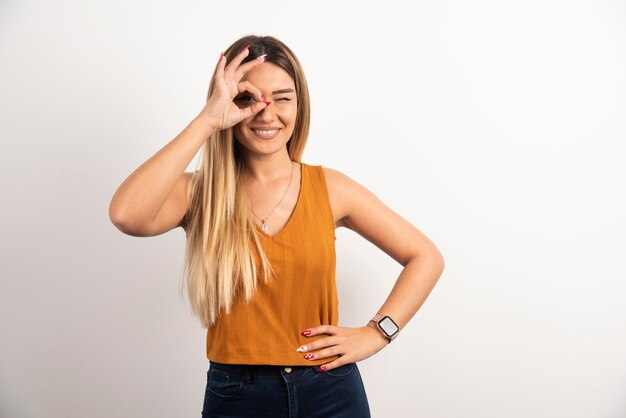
x: 388, y: 326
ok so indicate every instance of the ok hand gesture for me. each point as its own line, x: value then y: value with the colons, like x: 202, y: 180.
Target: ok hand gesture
x: 220, y: 111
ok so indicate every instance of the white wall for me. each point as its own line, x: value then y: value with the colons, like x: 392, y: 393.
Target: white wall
x: 497, y: 128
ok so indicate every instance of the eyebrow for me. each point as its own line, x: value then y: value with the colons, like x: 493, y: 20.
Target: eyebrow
x: 283, y: 91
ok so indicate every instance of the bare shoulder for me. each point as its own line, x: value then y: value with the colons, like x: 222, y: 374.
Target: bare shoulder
x: 342, y: 191
x: 334, y: 180
x: 357, y: 208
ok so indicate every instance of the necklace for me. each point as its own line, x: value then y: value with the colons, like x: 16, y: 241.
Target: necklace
x: 264, y: 226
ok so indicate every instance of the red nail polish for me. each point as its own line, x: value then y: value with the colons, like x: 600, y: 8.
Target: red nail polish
x: 322, y: 368
x: 266, y: 105
x: 308, y: 356
x: 307, y: 332
x: 221, y: 56
x: 263, y: 97
x: 245, y: 47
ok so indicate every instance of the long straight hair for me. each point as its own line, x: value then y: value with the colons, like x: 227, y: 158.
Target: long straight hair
x: 224, y: 257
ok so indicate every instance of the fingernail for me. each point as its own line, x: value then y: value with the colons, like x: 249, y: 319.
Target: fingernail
x: 322, y: 368
x: 245, y: 47
x: 266, y: 105
x: 263, y: 97
x: 221, y: 56
x: 261, y: 56
x: 308, y: 331
x: 308, y: 356
x: 302, y: 349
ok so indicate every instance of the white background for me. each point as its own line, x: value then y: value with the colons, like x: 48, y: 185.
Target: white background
x: 496, y: 128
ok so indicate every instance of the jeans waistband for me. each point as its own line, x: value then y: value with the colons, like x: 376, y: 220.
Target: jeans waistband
x: 261, y: 369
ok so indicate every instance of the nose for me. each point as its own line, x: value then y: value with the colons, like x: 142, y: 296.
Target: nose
x: 267, y: 113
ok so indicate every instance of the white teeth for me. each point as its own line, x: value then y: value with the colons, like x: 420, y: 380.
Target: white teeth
x: 266, y: 132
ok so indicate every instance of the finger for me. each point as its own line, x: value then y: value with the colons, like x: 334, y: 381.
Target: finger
x: 219, y: 71
x: 246, y: 112
x: 237, y: 60
x: 334, y: 364
x: 326, y: 352
x: 243, y: 86
x: 244, y: 68
x: 317, y: 344
x: 321, y: 329
x: 330, y: 329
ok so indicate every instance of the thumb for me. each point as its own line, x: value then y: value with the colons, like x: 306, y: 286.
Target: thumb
x: 254, y: 109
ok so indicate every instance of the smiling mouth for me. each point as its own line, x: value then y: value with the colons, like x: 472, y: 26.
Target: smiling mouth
x: 266, y: 133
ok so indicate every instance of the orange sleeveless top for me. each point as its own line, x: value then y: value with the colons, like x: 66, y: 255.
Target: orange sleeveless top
x: 302, y: 294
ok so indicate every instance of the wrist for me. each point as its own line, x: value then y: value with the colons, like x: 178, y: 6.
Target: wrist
x: 378, y: 332
x: 206, y: 122
x: 386, y: 326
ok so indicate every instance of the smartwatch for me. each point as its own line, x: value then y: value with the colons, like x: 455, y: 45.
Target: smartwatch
x: 389, y: 328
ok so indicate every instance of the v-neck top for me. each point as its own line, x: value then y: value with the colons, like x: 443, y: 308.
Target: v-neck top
x: 266, y: 235
x: 301, y: 294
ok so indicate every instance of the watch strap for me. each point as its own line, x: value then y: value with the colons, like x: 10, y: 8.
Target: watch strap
x: 377, y: 319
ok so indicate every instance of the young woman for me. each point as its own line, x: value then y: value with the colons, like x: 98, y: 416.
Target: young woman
x: 260, y: 255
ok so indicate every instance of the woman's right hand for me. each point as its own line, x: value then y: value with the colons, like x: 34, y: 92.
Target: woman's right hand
x: 220, y: 111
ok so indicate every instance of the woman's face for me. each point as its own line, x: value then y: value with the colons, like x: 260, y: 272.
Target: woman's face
x: 268, y: 131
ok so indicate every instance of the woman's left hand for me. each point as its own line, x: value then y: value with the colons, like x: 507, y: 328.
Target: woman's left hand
x: 352, y: 344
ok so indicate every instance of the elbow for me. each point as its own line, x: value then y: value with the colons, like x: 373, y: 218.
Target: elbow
x: 439, y: 261
x: 442, y: 266
x: 117, y: 211
x: 127, y: 227
x: 132, y: 223
x: 121, y: 220
x: 434, y: 259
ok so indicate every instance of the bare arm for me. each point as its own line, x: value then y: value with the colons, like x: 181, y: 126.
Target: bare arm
x: 154, y: 198
x: 358, y: 209
x: 361, y: 211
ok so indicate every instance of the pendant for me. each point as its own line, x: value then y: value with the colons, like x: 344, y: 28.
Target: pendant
x: 264, y: 226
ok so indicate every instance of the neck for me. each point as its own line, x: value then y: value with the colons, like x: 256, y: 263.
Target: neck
x: 266, y: 168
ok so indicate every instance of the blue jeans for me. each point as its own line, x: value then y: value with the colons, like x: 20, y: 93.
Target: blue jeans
x: 258, y: 391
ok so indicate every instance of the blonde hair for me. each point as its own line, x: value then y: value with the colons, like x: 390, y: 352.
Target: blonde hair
x: 223, y: 251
